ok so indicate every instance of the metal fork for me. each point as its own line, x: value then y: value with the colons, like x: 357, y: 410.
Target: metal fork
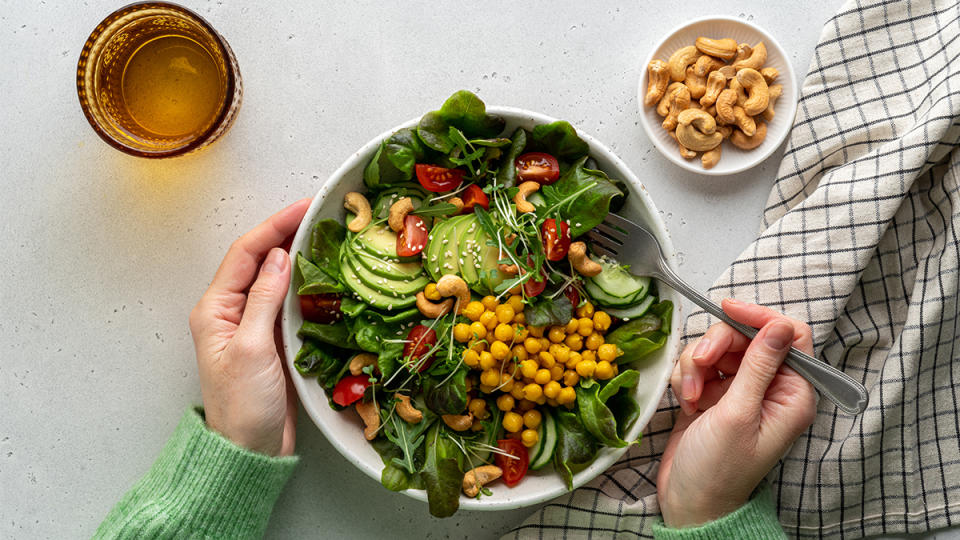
x: 630, y: 243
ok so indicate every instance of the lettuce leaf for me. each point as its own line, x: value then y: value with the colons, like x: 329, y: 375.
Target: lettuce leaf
x: 582, y: 196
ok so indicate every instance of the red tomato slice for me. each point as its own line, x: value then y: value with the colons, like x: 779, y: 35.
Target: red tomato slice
x: 513, y: 469
x: 437, y: 179
x: 555, y: 242
x: 539, y: 167
x: 349, y: 389
x: 419, y: 341
x: 321, y: 308
x: 474, y: 196
x: 532, y: 287
x: 413, y: 236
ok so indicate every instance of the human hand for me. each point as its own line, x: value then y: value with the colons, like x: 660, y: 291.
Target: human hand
x: 247, y: 395
x: 732, y: 430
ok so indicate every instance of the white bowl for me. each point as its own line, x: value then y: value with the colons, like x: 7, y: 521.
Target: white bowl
x: 733, y: 159
x: 344, y: 429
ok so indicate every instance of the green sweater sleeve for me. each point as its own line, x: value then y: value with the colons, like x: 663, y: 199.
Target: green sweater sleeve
x: 756, y: 520
x: 201, y: 486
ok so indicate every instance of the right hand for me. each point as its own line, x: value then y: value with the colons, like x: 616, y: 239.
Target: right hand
x: 734, y: 428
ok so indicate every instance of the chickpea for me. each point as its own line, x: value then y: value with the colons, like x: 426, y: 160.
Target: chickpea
x: 478, y: 330
x: 504, y: 332
x: 461, y: 332
x: 604, y: 370
x: 505, y: 402
x: 478, y: 407
x: 532, y: 345
x: 529, y: 368
x: 561, y: 353
x: 571, y: 327
x: 594, y: 341
x: 529, y: 437
x: 520, y: 318
x: 499, y: 350
x: 505, y: 313
x: 487, y: 361
x: 490, y: 378
x: 601, y: 321
x: 556, y: 372
x: 490, y: 303
x: 473, y: 310
x: 547, y: 360
x: 573, y: 360
x: 574, y: 342
x: 586, y: 310
x: 506, y: 382
x: 517, y: 391
x: 536, y: 331
x: 471, y: 358
x: 512, y: 422
x: 589, y: 355
x: 532, y: 418
x: 532, y: 391
x: 584, y: 326
x: 488, y: 319
x: 607, y: 352
x: 519, y: 352
x: 516, y: 302
x: 551, y: 390
x: 544, y: 344
x: 586, y: 368
x: 571, y: 377
x: 525, y: 405
x: 556, y: 334
x: 542, y: 376
x: 567, y: 395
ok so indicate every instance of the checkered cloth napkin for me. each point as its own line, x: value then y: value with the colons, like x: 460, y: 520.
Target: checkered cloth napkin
x: 860, y: 240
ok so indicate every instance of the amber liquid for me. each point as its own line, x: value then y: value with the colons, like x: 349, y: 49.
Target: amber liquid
x: 171, y: 87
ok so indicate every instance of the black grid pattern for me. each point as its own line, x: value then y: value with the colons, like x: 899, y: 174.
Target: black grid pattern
x: 859, y: 239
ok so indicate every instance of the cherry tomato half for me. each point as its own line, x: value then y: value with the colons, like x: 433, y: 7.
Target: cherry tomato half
x: 349, y: 389
x: 413, y: 236
x: 437, y: 179
x: 532, y: 287
x: 572, y: 295
x: 419, y: 341
x: 321, y: 308
x: 556, y: 242
x: 539, y: 167
x: 513, y: 469
x: 474, y: 196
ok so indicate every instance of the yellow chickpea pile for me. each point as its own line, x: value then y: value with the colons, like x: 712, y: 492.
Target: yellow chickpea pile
x: 531, y: 365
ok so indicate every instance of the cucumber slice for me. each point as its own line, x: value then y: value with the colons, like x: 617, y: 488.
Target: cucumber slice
x: 542, y: 452
x: 632, y: 312
x: 599, y: 296
x: 617, y: 282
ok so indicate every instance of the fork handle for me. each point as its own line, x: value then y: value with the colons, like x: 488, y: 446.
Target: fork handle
x: 848, y: 394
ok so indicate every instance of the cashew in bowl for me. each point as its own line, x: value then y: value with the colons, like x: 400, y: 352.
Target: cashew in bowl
x: 584, y: 265
x: 520, y: 199
x: 663, y: 107
x: 720, y: 48
x: 745, y: 122
x: 454, y: 285
x: 742, y: 141
x: 776, y: 91
x: 659, y: 77
x: 680, y: 60
x: 433, y: 310
x: 754, y: 59
x: 710, y: 158
x: 770, y: 74
x: 370, y: 415
x: 360, y: 361
x: 680, y: 101
x: 726, y: 101
x: 716, y: 82
x: 398, y: 212
x: 755, y: 87
x: 478, y: 477
x: 456, y: 422
x: 697, y: 130
x: 360, y: 206
x: 406, y: 410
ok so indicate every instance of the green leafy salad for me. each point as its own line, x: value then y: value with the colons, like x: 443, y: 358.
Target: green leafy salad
x: 455, y: 311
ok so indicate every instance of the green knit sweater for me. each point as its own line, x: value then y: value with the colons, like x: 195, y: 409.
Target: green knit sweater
x: 204, y: 486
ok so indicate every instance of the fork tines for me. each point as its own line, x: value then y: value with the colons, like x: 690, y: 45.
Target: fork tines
x: 608, y: 238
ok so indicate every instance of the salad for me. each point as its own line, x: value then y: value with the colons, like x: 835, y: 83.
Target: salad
x: 455, y: 312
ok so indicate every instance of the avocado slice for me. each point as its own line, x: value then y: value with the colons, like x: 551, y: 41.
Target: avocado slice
x: 386, y: 285
x: 373, y: 297
x: 379, y: 240
x: 471, y: 247
x: 388, y: 268
x: 440, y: 257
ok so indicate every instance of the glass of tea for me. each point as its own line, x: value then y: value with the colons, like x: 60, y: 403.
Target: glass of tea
x: 156, y: 80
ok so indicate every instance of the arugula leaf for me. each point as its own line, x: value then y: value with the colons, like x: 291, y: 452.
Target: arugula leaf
x: 408, y: 437
x: 436, y: 210
x: 507, y: 174
x: 574, y: 445
x: 640, y: 337
x: 449, y: 397
x: 464, y: 111
x: 442, y: 472
x: 582, y: 196
x: 325, y: 241
x: 561, y: 140
x: 315, y: 280
x: 546, y: 312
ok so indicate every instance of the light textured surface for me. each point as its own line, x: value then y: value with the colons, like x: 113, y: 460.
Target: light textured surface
x: 105, y: 254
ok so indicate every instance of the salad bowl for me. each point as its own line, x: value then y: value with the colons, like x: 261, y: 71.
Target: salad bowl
x: 344, y: 429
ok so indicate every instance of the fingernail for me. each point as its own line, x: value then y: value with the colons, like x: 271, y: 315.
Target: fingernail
x: 779, y: 335
x: 733, y: 301
x: 702, y: 348
x: 275, y: 261
x: 687, y: 387
x: 687, y: 407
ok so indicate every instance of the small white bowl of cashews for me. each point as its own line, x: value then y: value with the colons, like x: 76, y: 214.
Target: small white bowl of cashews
x: 718, y: 95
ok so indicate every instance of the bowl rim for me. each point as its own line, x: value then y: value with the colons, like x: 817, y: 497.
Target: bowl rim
x: 694, y: 165
x: 603, y: 461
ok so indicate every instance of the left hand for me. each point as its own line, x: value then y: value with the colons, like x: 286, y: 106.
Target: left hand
x: 247, y: 395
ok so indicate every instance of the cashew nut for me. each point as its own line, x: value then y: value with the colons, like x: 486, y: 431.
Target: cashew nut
x: 712, y: 111
x: 360, y: 361
x: 520, y: 199
x: 460, y: 422
x: 370, y: 415
x: 406, y: 410
x: 680, y: 60
x: 697, y: 130
x: 725, y: 103
x: 743, y: 51
x: 458, y: 202
x: 679, y: 102
x: 710, y: 158
x: 478, y: 477
x: 398, y: 211
x: 360, y: 206
x: 758, y: 95
x: 770, y: 74
x: 663, y: 108
x: 728, y: 72
x: 433, y: 310
x: 754, y: 59
x: 745, y: 122
x: 584, y: 265
x: 738, y: 88
x: 508, y: 269
x: 685, y: 152
x: 721, y: 48
x: 741, y: 140
x: 776, y: 91
x: 454, y: 285
x: 658, y: 75
x: 725, y: 130
x: 696, y: 85
x: 716, y: 82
